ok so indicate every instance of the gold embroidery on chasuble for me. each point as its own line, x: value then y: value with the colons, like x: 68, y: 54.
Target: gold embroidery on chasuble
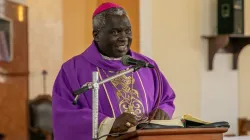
x: 128, y: 98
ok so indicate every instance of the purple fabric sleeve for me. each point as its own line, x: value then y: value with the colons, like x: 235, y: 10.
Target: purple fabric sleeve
x: 167, y: 98
x: 167, y: 94
x: 70, y: 122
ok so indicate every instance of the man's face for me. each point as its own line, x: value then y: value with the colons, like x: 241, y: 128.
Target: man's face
x: 115, y: 38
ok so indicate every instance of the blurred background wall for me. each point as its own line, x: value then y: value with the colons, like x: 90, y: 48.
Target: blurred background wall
x: 45, y: 43
x: 170, y: 32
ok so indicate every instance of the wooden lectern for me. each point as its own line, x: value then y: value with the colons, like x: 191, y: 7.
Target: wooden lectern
x: 174, y: 134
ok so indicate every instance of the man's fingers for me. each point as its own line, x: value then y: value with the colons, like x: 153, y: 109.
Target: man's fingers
x: 124, y: 122
x: 162, y: 115
x: 123, y: 128
x: 166, y: 116
x: 132, y: 121
x: 157, y: 115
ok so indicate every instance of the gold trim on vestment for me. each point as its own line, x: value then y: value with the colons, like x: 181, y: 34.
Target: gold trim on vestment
x: 106, y: 93
x: 143, y: 90
x: 128, y: 98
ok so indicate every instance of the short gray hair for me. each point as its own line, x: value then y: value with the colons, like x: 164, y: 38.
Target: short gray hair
x: 99, y: 20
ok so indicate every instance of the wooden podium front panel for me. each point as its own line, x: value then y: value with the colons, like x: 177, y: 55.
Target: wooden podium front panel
x: 182, y: 137
x: 175, y: 134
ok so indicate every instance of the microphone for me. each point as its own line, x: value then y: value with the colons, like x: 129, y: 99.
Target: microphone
x: 128, y: 60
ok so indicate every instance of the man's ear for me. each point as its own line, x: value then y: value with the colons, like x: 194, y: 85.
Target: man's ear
x: 95, y: 35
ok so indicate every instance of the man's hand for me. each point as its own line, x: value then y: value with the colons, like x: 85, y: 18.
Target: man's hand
x: 123, y: 123
x: 160, y: 115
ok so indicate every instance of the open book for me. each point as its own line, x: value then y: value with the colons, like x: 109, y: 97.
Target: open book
x: 185, y: 121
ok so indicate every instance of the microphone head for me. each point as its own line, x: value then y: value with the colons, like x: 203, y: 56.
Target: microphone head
x: 125, y: 59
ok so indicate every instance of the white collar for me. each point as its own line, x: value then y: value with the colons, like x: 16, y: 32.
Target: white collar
x: 110, y: 58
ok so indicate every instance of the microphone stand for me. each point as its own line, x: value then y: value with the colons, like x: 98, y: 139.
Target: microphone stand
x: 95, y: 95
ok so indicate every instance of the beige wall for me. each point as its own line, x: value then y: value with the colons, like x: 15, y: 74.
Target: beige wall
x: 182, y: 55
x: 247, y: 17
x: 146, y: 27
x: 244, y: 82
x: 176, y: 48
x: 45, y: 42
x: 244, y: 70
x: 219, y: 87
x: 223, y: 89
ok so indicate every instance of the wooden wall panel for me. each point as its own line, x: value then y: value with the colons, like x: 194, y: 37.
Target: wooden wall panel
x: 13, y: 106
x: 14, y: 91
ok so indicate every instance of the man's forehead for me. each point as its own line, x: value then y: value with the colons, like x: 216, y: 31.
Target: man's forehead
x: 117, y: 21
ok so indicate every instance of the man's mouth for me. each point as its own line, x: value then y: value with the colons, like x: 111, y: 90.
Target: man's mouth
x: 122, y: 48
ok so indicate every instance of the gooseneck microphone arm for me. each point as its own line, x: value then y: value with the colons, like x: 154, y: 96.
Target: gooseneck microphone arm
x: 89, y: 85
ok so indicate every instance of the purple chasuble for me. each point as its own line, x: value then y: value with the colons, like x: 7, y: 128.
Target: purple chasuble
x: 136, y: 92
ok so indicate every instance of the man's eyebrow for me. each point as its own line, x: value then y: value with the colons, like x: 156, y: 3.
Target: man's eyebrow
x: 118, y: 28
x: 115, y: 28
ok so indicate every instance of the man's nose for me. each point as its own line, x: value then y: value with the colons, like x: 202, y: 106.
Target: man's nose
x: 123, y: 37
x: 123, y: 34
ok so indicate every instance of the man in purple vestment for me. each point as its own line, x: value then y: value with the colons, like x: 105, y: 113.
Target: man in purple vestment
x: 124, y: 101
